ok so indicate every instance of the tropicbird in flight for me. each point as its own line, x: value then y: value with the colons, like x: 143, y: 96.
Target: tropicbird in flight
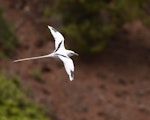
x: 59, y: 52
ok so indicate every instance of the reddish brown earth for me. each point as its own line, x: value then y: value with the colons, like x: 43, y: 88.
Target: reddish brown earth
x: 113, y: 86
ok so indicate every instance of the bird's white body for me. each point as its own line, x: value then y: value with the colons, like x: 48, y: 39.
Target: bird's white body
x: 59, y: 52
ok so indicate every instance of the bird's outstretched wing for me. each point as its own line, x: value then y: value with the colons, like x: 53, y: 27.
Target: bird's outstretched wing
x: 58, y: 37
x: 69, y: 66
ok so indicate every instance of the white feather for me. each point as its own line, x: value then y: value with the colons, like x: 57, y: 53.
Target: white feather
x: 69, y: 66
x: 58, y: 37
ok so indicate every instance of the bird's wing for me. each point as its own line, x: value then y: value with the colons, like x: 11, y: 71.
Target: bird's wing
x: 69, y: 66
x: 58, y: 37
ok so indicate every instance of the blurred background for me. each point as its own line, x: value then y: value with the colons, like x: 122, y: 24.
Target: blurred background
x: 112, y: 73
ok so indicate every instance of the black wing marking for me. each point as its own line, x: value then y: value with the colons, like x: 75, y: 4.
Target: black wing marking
x: 72, y: 74
x: 58, y: 46
x: 54, y: 29
x: 62, y: 55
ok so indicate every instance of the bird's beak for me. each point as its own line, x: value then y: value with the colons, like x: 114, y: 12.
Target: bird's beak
x: 76, y: 54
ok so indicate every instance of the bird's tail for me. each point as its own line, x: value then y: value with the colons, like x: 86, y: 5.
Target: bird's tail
x: 19, y: 60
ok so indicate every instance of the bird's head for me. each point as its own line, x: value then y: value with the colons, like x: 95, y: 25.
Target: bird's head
x: 71, y: 53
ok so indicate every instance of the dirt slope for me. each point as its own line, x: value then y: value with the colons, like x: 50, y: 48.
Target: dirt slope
x: 114, y: 86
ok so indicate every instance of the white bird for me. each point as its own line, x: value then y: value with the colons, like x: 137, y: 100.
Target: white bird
x: 59, y: 52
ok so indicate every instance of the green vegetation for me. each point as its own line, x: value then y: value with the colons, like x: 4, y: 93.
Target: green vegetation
x: 8, y: 38
x: 91, y: 24
x: 14, y: 105
x: 46, y: 12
